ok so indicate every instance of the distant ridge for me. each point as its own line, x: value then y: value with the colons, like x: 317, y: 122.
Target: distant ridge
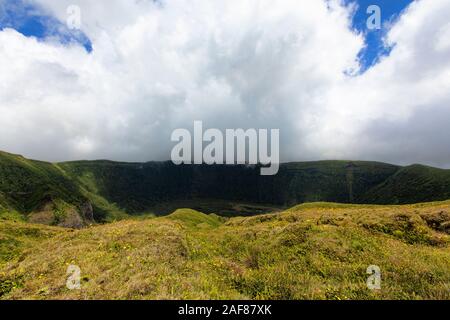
x: 107, y: 190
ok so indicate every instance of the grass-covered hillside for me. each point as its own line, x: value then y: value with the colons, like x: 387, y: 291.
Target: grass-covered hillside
x: 138, y: 187
x: 78, y: 193
x: 312, y: 251
x: 26, y: 184
x: 42, y: 192
x: 411, y: 184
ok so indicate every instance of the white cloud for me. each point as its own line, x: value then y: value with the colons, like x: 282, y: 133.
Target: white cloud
x: 252, y: 63
x: 395, y: 111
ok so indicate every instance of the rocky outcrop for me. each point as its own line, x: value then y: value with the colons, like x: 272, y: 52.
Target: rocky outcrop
x: 87, y: 211
x: 61, y: 214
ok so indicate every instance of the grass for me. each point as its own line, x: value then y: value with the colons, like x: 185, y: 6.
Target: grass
x: 116, y: 190
x: 312, y: 251
x: 412, y: 184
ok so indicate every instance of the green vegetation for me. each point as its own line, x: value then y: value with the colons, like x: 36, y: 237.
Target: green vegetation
x: 245, y: 245
x: 137, y: 188
x: 312, y: 251
x: 26, y: 184
x: 412, y: 184
x: 43, y: 193
x: 79, y: 193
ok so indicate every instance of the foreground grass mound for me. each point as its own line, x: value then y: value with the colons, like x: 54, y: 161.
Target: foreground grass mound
x: 313, y: 251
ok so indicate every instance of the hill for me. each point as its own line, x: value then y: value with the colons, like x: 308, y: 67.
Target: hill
x: 312, y: 251
x: 137, y: 187
x: 411, y: 184
x: 40, y: 192
x: 79, y: 193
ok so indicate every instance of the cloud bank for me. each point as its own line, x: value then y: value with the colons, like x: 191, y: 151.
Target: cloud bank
x: 292, y: 64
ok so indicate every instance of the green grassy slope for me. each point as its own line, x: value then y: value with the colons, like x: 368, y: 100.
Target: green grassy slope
x: 332, y: 181
x: 312, y: 251
x: 115, y: 189
x: 412, y: 184
x: 138, y: 187
x: 133, y: 187
x: 25, y: 185
x: 41, y: 191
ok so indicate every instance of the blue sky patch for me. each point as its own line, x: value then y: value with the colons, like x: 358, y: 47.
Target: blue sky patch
x: 31, y: 21
x: 375, y: 48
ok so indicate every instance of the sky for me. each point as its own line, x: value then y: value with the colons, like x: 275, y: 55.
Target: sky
x: 375, y: 47
x: 27, y: 18
x: 135, y: 71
